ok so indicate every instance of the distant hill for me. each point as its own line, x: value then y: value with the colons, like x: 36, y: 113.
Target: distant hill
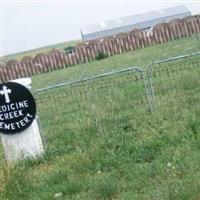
x: 33, y: 52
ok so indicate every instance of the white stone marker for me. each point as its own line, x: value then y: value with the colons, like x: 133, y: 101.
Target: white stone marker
x: 22, y: 145
x: 27, y: 143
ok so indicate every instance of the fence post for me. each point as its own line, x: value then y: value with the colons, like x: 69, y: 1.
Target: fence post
x: 197, y: 35
x: 149, y: 89
x: 146, y: 76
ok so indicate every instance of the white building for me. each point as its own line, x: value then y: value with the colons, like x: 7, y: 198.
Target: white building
x: 144, y: 21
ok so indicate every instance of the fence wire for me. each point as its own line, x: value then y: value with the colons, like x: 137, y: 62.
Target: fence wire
x: 169, y: 87
x: 93, y: 101
x: 175, y: 83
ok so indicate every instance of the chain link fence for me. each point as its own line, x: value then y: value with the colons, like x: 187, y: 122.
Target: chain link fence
x: 167, y: 86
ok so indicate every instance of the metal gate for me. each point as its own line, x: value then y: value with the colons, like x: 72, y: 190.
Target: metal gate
x: 93, y: 102
x: 175, y: 83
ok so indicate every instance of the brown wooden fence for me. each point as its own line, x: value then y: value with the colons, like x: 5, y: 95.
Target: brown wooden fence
x: 87, y: 51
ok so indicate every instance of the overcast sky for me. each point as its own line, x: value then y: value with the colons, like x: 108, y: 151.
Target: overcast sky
x: 30, y: 25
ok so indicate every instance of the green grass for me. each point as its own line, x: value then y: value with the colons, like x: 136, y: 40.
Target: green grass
x: 101, y: 143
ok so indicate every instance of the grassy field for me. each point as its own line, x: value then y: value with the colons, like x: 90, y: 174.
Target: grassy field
x: 34, y: 52
x: 102, y: 143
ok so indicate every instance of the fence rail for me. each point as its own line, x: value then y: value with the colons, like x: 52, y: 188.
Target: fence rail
x: 89, y: 78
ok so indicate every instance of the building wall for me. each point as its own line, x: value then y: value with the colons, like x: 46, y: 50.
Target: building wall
x: 142, y: 26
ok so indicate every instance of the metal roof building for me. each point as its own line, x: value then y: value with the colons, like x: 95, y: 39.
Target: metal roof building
x: 144, y: 21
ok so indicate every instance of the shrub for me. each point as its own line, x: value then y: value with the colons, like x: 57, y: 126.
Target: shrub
x: 69, y: 50
x: 101, y: 55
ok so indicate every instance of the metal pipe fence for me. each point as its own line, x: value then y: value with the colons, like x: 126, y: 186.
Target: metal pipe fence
x: 93, y: 101
x: 169, y: 87
x: 167, y: 78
